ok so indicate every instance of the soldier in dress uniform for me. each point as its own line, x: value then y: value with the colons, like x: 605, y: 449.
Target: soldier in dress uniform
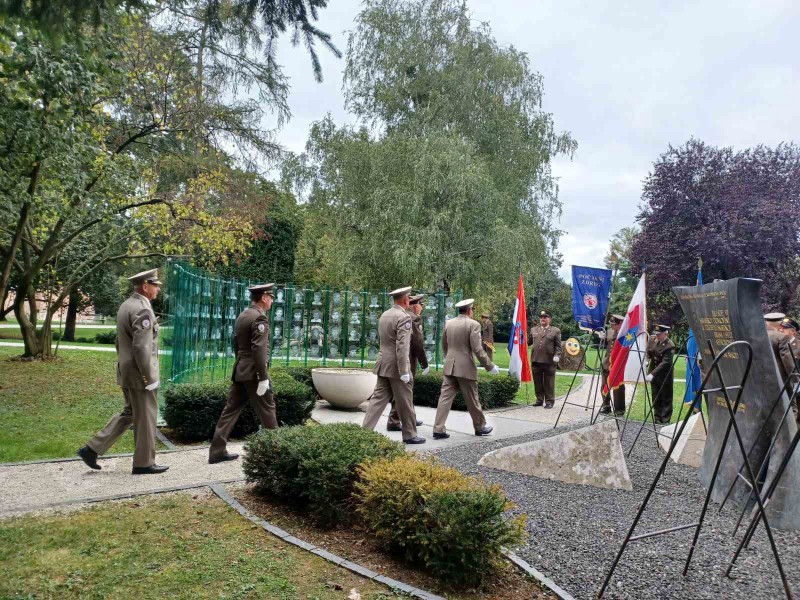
x: 781, y: 347
x: 660, y: 350
x: 607, y: 341
x: 393, y: 369
x: 417, y: 354
x: 461, y: 342
x: 487, y: 335
x: 250, y: 376
x: 545, y: 342
x: 137, y: 375
x: 791, y: 329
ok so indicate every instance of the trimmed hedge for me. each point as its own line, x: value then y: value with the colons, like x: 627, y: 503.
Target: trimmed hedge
x: 192, y: 410
x: 315, y: 467
x: 106, y: 337
x: 435, y: 516
x: 493, y: 390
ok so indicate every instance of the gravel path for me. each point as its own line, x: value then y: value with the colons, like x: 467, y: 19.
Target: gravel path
x: 575, y: 531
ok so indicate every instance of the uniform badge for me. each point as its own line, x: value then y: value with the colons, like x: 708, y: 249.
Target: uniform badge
x: 146, y: 323
x: 261, y: 327
x: 408, y: 324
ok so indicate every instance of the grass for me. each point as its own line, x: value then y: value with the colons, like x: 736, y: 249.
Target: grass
x: 50, y: 408
x: 82, y: 335
x: 163, y: 547
x: 562, y: 386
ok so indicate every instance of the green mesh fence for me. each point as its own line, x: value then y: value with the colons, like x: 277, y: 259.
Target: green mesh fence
x: 309, y: 326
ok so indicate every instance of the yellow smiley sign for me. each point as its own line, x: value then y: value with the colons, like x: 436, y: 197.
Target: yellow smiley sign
x: 573, y: 346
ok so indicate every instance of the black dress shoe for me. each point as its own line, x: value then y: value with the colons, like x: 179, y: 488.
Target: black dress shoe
x: 440, y: 436
x: 550, y: 405
x: 419, y: 422
x: 619, y: 413
x: 151, y: 470
x: 394, y: 428
x: 225, y: 457
x: 605, y: 409
x: 538, y: 404
x: 414, y: 440
x: 89, y: 456
x: 485, y: 430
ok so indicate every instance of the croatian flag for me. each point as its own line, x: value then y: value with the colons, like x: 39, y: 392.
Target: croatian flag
x: 519, y: 365
x: 626, y: 363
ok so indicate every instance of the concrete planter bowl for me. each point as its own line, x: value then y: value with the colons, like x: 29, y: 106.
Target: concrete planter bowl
x: 344, y: 388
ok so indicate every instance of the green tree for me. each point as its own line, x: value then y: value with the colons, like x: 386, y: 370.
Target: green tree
x: 619, y: 259
x: 447, y: 183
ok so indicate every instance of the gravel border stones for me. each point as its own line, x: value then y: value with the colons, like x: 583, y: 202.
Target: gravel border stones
x: 576, y: 530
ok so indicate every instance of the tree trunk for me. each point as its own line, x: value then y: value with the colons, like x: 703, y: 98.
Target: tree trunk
x: 72, y: 314
x: 4, y: 310
x: 27, y: 327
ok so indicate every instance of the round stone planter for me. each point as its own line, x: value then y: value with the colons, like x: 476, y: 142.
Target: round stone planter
x: 344, y: 388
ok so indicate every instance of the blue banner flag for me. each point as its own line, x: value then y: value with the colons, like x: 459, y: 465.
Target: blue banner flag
x: 590, y: 289
x: 694, y: 378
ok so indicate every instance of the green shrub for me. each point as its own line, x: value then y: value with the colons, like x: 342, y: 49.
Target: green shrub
x: 303, y: 375
x: 106, y: 337
x: 493, y: 390
x: 435, y: 516
x: 315, y: 467
x: 192, y: 410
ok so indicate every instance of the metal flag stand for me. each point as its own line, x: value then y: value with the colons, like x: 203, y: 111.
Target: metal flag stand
x: 732, y: 425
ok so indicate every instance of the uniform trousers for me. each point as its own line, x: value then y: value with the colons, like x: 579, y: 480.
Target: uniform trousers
x: 386, y: 390
x: 489, y: 352
x: 619, y: 394
x: 661, y: 390
x: 469, y: 389
x: 544, y: 382
x: 239, y: 393
x: 141, y: 411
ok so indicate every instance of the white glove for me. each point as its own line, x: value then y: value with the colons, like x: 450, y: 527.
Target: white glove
x: 263, y: 386
x: 426, y: 370
x: 649, y: 377
x: 494, y: 371
x: 556, y: 359
x: 152, y: 386
x: 601, y: 334
x: 405, y: 377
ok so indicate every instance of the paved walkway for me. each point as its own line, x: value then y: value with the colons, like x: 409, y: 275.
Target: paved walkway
x: 34, y: 486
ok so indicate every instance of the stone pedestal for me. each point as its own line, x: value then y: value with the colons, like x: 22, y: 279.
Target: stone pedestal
x: 689, y: 449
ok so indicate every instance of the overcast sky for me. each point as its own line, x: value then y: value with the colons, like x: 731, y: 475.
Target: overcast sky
x: 625, y: 81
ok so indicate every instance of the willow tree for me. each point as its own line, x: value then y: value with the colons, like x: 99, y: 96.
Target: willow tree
x: 446, y: 181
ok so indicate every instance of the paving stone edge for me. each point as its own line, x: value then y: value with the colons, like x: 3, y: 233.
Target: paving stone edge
x: 538, y: 575
x: 337, y: 560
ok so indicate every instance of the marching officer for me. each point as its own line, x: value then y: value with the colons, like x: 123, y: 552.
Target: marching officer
x: 417, y: 354
x: 460, y: 342
x: 393, y: 369
x: 659, y: 351
x: 545, y: 342
x: 487, y: 335
x: 250, y: 376
x: 137, y: 375
x: 781, y: 347
x: 607, y: 341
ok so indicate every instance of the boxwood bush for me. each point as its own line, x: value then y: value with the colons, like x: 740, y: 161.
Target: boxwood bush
x: 493, y: 390
x: 106, y: 337
x: 314, y: 467
x: 192, y: 410
x: 433, y: 515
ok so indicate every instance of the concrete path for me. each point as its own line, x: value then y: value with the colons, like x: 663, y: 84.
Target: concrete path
x: 34, y: 486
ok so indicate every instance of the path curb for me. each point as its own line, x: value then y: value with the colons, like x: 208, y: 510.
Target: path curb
x: 538, y: 575
x: 333, y: 558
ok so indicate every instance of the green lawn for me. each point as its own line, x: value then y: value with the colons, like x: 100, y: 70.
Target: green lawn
x: 82, y: 335
x: 49, y: 409
x: 163, y: 547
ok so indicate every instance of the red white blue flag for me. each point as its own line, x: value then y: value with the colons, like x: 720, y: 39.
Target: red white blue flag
x: 630, y: 347
x: 519, y: 365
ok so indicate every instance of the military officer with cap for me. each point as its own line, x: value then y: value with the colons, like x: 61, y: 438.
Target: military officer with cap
x: 461, y: 342
x: 393, y: 369
x: 545, y: 342
x: 250, y: 376
x: 791, y: 329
x: 781, y: 346
x: 660, y: 350
x: 607, y: 342
x: 487, y: 335
x: 417, y: 356
x: 138, y: 376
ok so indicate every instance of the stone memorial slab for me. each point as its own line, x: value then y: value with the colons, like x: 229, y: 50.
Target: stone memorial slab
x: 720, y: 313
x: 588, y: 456
x: 689, y: 449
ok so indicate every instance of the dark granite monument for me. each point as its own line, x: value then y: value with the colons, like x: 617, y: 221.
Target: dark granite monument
x: 723, y: 312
